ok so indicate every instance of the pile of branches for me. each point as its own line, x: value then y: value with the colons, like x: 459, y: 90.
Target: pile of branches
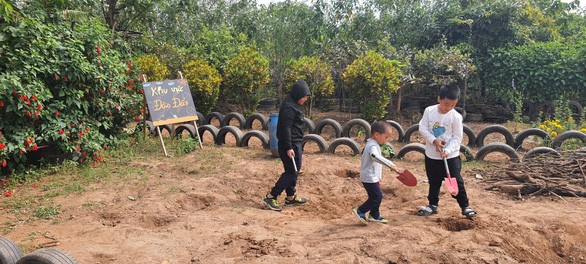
x: 542, y: 175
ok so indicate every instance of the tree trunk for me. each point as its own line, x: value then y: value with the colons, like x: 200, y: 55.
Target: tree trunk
x: 465, y: 91
x: 399, y: 98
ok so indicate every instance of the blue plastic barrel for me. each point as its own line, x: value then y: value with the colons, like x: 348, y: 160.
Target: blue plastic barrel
x: 273, y: 141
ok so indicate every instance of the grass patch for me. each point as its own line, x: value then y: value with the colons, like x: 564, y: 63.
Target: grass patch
x: 46, y: 212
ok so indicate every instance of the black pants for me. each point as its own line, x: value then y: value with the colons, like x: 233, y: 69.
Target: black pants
x: 288, y: 179
x: 436, y: 172
x: 375, y: 197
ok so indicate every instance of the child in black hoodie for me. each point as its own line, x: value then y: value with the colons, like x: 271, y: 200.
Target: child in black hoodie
x: 290, y: 136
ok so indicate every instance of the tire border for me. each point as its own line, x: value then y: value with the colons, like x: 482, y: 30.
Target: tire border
x: 321, y: 142
x: 256, y: 116
x: 344, y: 141
x: 534, y: 152
x: 412, y: 129
x: 48, y: 256
x: 213, y: 115
x: 510, y: 140
x: 9, y: 251
x: 356, y: 122
x: 235, y: 131
x: 498, y: 147
x: 257, y: 134
x: 519, y: 138
x: 238, y: 116
x: 399, y: 129
x: 319, y: 126
x: 559, y: 140
x: 418, y: 147
x: 210, y: 128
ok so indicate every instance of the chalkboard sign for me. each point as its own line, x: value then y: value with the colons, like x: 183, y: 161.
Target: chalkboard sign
x: 169, y: 102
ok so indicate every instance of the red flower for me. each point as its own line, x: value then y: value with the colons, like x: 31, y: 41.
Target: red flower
x: 98, y: 50
x: 21, y: 152
x: 80, y: 134
x: 56, y: 113
x: 40, y: 107
x: 2, y: 146
x: 56, y: 76
x: 83, y: 154
x: 35, y: 148
x: 34, y: 98
x: 87, y: 130
x: 68, y: 134
x: 36, y: 114
x: 61, y: 131
x: 1, y: 104
x: 0, y: 132
x: 28, y: 114
x: 7, y: 194
x: 136, y: 118
x: 4, y: 164
x: 102, y: 91
x: 80, y: 160
x: 65, y: 78
x: 14, y: 91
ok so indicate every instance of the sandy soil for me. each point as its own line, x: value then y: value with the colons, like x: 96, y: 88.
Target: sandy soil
x: 205, y: 207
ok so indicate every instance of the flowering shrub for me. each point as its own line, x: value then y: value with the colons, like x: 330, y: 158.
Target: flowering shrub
x: 152, y: 68
x: 315, y: 72
x: 63, y: 87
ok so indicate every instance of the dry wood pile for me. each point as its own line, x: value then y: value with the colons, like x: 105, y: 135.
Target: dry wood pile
x: 542, y: 175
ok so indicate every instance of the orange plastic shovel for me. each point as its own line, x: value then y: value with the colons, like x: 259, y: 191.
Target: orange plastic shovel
x: 451, y: 183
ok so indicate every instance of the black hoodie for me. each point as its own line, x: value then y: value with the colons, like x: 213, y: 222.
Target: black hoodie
x: 290, y: 125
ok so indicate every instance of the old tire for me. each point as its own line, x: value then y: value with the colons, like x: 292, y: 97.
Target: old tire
x: 209, y: 128
x: 234, y: 115
x: 461, y: 111
x: 164, y: 127
x: 48, y: 256
x: 321, y: 142
x: 498, y: 147
x: 185, y: 127
x: 308, y: 125
x: 214, y: 115
x: 510, y: 140
x: 559, y: 140
x: 409, y: 132
x: 236, y: 132
x: 344, y: 141
x: 256, y: 116
x: 201, y: 119
x: 399, y: 128
x: 9, y: 252
x: 418, y: 147
x: 328, y: 122
x: 257, y: 134
x: 356, y: 122
x: 527, y: 133
x: 471, y: 136
x: 467, y: 152
x: 538, y: 151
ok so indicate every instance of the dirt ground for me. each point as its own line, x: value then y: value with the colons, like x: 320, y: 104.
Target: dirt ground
x: 205, y: 207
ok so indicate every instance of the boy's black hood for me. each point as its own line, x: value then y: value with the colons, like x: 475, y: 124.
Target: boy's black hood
x: 299, y: 90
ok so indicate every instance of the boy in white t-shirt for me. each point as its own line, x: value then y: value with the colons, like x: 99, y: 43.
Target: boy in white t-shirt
x: 442, y: 128
x: 371, y: 172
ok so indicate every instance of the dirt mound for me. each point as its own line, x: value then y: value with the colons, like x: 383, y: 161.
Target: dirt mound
x: 206, y: 207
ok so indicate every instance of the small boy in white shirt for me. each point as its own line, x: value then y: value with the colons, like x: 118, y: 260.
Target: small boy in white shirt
x: 371, y: 172
x: 442, y: 128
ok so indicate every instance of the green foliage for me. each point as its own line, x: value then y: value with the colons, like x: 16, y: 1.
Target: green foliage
x: 60, y: 87
x: 218, y: 45
x: 372, y: 79
x: 151, y: 66
x: 204, y: 82
x: 541, y: 72
x: 244, y: 76
x: 315, y: 72
x: 441, y: 66
x: 186, y: 145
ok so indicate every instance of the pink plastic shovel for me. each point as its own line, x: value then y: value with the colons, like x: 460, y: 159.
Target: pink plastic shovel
x: 451, y: 183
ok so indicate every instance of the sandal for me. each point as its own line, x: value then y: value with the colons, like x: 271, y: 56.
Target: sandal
x: 427, y: 210
x: 468, y: 212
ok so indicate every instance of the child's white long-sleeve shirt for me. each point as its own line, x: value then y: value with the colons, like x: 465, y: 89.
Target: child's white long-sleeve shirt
x: 447, y: 127
x: 371, y: 169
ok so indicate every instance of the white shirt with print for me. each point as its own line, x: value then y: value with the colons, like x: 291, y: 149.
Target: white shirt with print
x: 447, y: 127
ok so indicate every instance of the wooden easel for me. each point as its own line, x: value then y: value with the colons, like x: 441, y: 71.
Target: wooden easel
x: 159, y: 129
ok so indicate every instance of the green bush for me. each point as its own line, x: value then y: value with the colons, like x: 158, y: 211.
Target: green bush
x: 372, y: 79
x: 204, y: 82
x: 151, y: 66
x: 315, y: 72
x: 244, y: 76
x: 63, y: 87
